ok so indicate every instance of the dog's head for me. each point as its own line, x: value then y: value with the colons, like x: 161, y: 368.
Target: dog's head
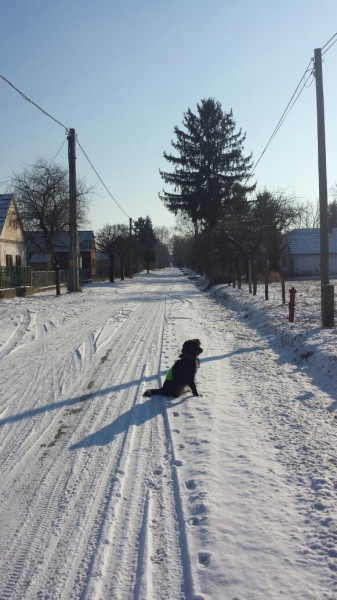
x: 192, y: 348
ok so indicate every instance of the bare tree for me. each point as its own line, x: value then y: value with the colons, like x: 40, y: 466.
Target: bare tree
x: 42, y: 195
x: 114, y: 239
x: 308, y: 215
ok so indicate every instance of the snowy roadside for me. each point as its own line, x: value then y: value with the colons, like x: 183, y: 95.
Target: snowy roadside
x: 312, y: 347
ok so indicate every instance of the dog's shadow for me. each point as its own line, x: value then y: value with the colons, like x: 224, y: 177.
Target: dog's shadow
x: 136, y: 416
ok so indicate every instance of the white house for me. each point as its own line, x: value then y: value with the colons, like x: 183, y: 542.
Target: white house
x: 302, y: 252
x: 12, y: 239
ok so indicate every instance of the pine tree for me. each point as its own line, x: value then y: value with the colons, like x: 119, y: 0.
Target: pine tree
x: 146, y: 240
x: 210, y: 177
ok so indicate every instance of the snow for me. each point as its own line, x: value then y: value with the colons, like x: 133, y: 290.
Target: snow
x: 108, y: 494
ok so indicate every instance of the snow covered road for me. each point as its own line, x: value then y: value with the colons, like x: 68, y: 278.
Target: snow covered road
x: 106, y: 494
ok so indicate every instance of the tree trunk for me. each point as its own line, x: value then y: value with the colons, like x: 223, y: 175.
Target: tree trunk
x: 112, y: 268
x: 122, y: 267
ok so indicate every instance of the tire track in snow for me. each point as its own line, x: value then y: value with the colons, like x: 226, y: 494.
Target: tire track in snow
x: 63, y: 380
x: 33, y: 534
x: 57, y: 493
x: 22, y: 554
x: 16, y: 336
x: 75, y: 549
x: 130, y: 462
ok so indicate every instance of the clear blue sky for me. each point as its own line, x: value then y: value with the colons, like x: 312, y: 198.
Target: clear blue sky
x: 123, y: 73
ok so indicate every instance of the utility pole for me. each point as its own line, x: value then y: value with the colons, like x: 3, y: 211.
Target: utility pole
x: 327, y: 290
x: 74, y: 284
x: 131, y: 251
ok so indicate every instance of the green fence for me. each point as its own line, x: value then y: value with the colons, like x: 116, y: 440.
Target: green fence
x: 11, y: 277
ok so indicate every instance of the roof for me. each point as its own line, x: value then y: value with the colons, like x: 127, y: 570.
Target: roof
x: 36, y: 241
x: 101, y: 255
x: 307, y: 241
x: 5, y: 200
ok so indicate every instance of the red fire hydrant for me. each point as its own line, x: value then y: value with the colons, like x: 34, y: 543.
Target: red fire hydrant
x: 291, y: 304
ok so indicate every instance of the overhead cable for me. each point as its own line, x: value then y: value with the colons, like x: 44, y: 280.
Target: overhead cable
x: 328, y: 48
x: 58, y: 152
x: 295, y: 97
x: 328, y: 42
x: 101, y: 180
x: 303, y: 82
x: 34, y: 103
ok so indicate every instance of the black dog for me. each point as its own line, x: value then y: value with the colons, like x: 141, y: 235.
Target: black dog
x: 182, y: 373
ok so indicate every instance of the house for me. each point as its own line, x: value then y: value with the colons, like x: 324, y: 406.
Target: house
x: 40, y: 259
x: 302, y: 252
x: 12, y: 239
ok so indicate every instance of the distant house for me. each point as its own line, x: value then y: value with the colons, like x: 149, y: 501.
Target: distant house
x: 40, y: 259
x: 302, y: 252
x: 12, y: 239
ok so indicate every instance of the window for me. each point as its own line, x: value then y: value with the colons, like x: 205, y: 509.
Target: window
x: 18, y: 260
x: 9, y: 260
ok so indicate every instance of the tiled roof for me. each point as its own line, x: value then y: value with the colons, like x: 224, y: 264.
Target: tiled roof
x: 4, y: 205
x: 307, y: 241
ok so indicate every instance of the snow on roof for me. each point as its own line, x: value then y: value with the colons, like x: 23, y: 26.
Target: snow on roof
x: 5, y: 200
x: 307, y: 241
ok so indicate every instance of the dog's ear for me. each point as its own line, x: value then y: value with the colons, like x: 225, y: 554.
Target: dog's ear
x: 194, y: 341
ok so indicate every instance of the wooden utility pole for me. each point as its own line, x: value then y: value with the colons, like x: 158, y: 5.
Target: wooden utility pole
x: 131, y: 250
x: 327, y: 290
x: 74, y: 283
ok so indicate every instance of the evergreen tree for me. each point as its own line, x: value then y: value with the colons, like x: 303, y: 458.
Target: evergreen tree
x: 210, y: 177
x: 146, y: 240
x: 272, y: 215
x: 332, y: 213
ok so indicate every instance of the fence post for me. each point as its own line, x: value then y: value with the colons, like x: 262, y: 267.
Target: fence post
x: 57, y: 277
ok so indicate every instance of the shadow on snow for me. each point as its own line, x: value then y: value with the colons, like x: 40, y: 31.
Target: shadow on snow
x: 106, y: 391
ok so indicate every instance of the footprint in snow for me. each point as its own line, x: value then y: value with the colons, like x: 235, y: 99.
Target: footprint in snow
x: 191, y: 484
x: 204, y: 558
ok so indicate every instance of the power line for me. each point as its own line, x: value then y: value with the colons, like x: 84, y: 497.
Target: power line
x: 101, y: 180
x: 67, y: 131
x: 328, y: 42
x: 58, y: 152
x: 34, y: 103
x: 295, y: 97
x: 303, y: 81
x: 328, y: 48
